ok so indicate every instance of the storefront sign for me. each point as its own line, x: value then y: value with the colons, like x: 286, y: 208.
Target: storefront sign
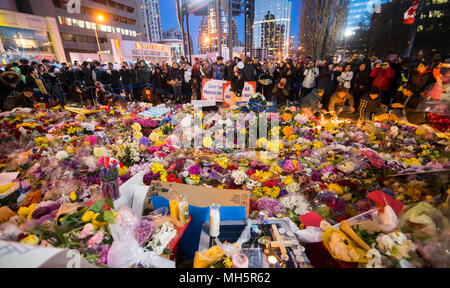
x: 142, y: 46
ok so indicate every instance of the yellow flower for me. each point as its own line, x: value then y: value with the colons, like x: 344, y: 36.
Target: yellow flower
x: 136, y: 127
x: 288, y: 180
x: 227, y: 263
x: 123, y: 171
x: 30, y: 240
x: 154, y: 136
x: 73, y: 196
x: 87, y: 216
x: 159, y: 143
x: 111, y: 112
x: 318, y: 144
x: 275, y: 131
x: 126, y: 117
x: 137, y: 135
x: 412, y: 161
x: 97, y: 223
x: 163, y: 178
x: 23, y: 211
x: 207, y: 142
x: 196, y: 178
x: 276, y: 169
x: 41, y: 141
x: 157, y: 167
x: 336, y: 188
x: 261, y: 142
x: 421, y: 131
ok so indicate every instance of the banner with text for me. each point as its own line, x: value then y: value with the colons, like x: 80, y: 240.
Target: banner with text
x: 212, y: 89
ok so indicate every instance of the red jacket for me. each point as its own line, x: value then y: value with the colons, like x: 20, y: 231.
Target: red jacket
x: 382, y: 78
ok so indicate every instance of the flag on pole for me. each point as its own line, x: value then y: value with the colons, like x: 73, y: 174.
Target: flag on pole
x: 410, y: 14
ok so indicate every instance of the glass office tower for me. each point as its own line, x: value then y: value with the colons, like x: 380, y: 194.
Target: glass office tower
x: 361, y: 11
x: 272, y: 28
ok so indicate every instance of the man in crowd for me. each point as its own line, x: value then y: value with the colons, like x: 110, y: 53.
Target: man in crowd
x: 341, y: 103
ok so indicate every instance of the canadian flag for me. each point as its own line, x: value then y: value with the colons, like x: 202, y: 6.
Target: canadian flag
x: 410, y: 14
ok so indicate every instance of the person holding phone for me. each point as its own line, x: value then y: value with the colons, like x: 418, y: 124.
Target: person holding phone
x: 382, y: 75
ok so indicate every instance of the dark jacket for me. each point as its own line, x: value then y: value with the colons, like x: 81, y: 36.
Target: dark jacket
x: 327, y: 81
x: 218, y: 71
x: 176, y: 74
x: 126, y: 77
x: 369, y: 106
x: 145, y: 74
x: 311, y: 101
x: 237, y: 85
x: 249, y: 72
x: 418, y: 81
x: 361, y: 82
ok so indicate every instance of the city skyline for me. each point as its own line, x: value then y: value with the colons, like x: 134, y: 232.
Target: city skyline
x: 195, y: 21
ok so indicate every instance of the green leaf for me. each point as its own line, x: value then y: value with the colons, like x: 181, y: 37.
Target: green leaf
x: 98, y: 206
x: 109, y: 217
x: 100, y: 217
x: 109, y: 202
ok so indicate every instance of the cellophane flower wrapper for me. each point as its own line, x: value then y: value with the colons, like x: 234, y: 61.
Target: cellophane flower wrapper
x: 235, y: 248
x: 126, y: 251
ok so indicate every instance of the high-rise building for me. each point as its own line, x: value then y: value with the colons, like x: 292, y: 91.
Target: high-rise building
x: 174, y: 38
x: 292, y: 46
x: 150, y: 20
x: 272, y: 28
x: 208, y: 32
x: 110, y: 19
x: 361, y: 11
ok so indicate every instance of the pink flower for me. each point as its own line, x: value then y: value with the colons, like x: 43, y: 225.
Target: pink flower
x: 88, y: 230
x: 91, y: 139
x: 96, y: 239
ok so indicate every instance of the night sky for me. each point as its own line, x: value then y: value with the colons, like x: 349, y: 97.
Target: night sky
x: 169, y: 20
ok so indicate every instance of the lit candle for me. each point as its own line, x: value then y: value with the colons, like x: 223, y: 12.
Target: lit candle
x: 240, y: 261
x: 272, y: 260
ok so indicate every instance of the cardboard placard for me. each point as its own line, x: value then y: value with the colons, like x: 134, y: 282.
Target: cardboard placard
x: 247, y: 92
x: 204, y: 196
x: 203, y: 103
x: 212, y: 90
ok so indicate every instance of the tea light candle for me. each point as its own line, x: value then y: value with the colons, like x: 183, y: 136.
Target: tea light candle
x: 272, y: 260
x: 240, y: 261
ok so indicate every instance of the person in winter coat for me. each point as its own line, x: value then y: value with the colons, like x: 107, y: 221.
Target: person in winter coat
x: 382, y: 75
x: 176, y: 77
x: 420, y: 78
x: 268, y: 80
x: 249, y: 70
x: 145, y: 74
x: 345, y: 79
x: 371, y: 105
x: 237, y: 86
x: 126, y: 75
x: 218, y: 69
x: 311, y: 103
x: 341, y: 103
x: 280, y: 93
x: 9, y: 82
x: 327, y: 81
x: 112, y: 77
x: 311, y: 73
x: 361, y: 83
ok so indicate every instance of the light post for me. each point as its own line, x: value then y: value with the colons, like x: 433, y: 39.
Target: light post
x: 100, y: 19
x: 348, y: 33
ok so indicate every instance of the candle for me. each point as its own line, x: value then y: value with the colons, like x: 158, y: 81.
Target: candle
x: 214, y: 220
x: 272, y: 260
x: 240, y: 261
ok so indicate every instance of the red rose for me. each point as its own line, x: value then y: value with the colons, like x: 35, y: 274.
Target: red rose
x: 178, y: 180
x: 171, y: 178
x: 232, y: 167
x: 250, y: 172
x: 269, y: 183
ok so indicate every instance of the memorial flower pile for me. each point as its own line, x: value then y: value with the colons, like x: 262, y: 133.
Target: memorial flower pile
x: 300, y: 165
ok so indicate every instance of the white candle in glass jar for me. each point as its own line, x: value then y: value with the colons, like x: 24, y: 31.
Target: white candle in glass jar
x: 214, y: 220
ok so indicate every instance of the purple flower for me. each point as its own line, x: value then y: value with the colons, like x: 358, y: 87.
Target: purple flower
x: 144, y: 231
x: 194, y: 170
x: 144, y: 141
x: 282, y: 193
x: 45, y: 209
x: 272, y: 206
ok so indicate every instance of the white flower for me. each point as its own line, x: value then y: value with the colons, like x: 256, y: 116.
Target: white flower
x: 162, y: 238
x: 186, y: 121
x: 301, y: 119
x: 293, y: 187
x: 394, y: 132
x: 61, y: 155
x: 347, y: 167
x: 90, y: 162
x: 385, y: 243
x: 239, y: 177
x: 375, y: 261
x: 23, y: 131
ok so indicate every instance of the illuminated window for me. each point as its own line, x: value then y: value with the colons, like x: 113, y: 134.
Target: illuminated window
x: 436, y: 14
x: 420, y: 28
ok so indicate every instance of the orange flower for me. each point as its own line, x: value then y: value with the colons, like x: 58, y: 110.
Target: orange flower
x: 287, y: 131
x: 287, y: 117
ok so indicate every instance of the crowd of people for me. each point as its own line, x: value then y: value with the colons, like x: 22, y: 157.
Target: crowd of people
x: 356, y: 88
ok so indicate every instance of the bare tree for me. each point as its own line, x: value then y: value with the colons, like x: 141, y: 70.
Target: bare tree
x: 321, y: 24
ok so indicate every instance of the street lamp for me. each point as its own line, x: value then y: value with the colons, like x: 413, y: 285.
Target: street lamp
x: 348, y: 33
x: 99, y: 18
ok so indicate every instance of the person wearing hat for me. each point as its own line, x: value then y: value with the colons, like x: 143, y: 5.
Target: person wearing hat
x: 341, y: 103
x: 9, y: 81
